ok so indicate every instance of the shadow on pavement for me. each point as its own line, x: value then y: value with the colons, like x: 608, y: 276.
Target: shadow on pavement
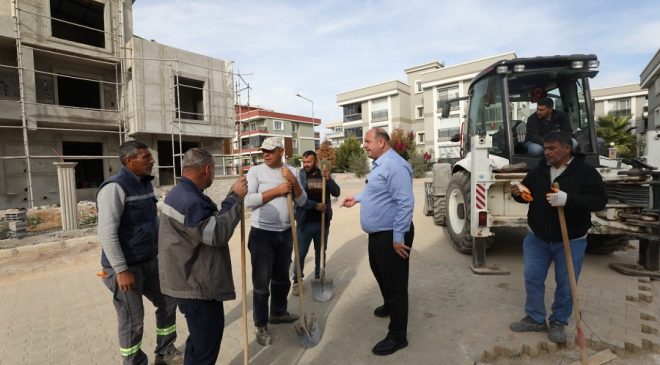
x: 286, y: 347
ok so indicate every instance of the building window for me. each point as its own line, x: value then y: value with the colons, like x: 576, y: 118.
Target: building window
x: 89, y: 172
x: 448, y: 93
x: 278, y: 125
x: 77, y: 92
x: 419, y: 114
x: 445, y: 134
x: 294, y: 143
x: 619, y: 107
x: 657, y: 86
x: 87, y: 16
x: 418, y: 87
x: 352, y: 112
x: 379, y: 110
x: 420, y: 137
x: 169, y: 164
x: 353, y: 132
x: 294, y: 127
x: 189, y: 98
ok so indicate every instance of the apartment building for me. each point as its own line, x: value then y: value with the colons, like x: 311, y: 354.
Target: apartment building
x: 385, y: 105
x: 257, y: 124
x: 622, y: 100
x: 650, y: 79
x: 75, y: 83
x: 335, y: 133
x: 415, y: 105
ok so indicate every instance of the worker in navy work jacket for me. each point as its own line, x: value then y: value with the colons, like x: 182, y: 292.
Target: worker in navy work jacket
x: 194, y: 253
x: 386, y: 215
x: 128, y: 232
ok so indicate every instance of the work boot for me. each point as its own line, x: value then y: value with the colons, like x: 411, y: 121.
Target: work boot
x: 173, y: 358
x: 295, y: 289
x: 556, y: 332
x: 527, y: 324
x: 263, y: 336
x: 284, y: 318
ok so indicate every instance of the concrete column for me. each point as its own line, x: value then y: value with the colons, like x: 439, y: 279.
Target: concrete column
x: 66, y: 178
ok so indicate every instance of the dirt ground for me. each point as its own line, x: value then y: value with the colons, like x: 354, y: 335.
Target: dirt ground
x: 49, y: 218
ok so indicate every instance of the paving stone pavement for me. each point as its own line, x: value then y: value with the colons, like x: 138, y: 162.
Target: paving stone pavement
x: 55, y: 310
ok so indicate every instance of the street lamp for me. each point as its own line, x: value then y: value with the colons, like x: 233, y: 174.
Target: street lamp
x: 302, y: 97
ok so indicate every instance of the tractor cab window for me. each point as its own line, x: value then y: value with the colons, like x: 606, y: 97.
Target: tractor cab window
x: 486, y: 114
x: 568, y: 97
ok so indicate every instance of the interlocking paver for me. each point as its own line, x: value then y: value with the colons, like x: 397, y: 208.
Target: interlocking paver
x: 58, y: 312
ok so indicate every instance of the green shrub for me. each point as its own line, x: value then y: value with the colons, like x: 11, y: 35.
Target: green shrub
x: 419, y: 166
x: 343, y: 153
x: 359, y: 165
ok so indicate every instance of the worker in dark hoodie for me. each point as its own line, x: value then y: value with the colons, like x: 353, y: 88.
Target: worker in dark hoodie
x: 581, y: 191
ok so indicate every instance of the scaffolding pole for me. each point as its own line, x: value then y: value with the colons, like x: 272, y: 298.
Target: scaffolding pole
x: 21, y: 88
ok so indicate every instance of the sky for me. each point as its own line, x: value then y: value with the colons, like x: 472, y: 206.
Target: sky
x: 321, y: 48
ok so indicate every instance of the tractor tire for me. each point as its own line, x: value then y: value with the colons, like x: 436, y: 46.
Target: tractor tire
x: 458, y: 211
x: 606, y: 244
x: 440, y: 211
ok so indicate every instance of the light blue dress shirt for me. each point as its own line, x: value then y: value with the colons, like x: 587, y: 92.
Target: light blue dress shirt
x: 387, y: 200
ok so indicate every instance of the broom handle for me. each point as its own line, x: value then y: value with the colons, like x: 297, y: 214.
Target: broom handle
x: 571, y: 276
x: 246, y: 354
x: 322, y: 273
x: 294, y: 235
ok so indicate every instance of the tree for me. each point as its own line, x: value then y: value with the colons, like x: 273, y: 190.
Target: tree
x: 617, y: 130
x: 343, y: 153
x: 403, y: 143
x: 326, y: 153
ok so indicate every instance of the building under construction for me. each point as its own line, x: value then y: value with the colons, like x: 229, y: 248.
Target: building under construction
x: 75, y: 83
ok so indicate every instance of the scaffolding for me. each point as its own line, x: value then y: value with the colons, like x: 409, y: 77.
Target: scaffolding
x: 118, y: 59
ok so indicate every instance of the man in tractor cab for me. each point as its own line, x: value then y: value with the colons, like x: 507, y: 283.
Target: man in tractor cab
x: 545, y: 120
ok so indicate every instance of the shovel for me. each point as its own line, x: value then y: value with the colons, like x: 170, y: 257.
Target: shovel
x: 307, y: 327
x: 322, y: 287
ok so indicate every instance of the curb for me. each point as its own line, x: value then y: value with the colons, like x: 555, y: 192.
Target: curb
x: 62, y: 245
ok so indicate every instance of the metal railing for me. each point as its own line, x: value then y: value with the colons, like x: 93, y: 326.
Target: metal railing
x: 379, y: 115
x: 352, y: 117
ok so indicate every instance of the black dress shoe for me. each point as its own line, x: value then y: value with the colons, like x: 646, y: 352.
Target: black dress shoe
x: 381, y: 312
x: 388, y: 346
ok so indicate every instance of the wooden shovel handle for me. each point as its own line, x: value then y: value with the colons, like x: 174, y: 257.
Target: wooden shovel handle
x: 571, y: 276
x: 246, y: 354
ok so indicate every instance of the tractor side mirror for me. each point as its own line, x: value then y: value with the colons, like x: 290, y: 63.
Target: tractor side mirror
x: 444, y: 112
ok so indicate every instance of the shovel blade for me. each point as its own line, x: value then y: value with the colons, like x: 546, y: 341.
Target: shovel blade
x: 308, y: 330
x: 322, y: 289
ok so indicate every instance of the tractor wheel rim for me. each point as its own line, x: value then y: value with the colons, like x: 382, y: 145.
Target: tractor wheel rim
x: 455, y: 201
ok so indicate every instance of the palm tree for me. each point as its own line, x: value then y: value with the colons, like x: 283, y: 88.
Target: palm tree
x: 617, y: 130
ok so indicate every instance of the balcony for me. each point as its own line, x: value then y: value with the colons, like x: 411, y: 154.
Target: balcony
x: 445, y: 135
x: 453, y: 106
x: 379, y: 115
x: 246, y: 133
x: 352, y: 117
x: 621, y: 112
x: 335, y: 134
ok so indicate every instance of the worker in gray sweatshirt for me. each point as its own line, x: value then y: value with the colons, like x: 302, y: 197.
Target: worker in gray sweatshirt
x: 128, y: 231
x: 270, y: 241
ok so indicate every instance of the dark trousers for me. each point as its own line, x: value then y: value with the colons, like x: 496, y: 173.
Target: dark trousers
x: 270, y: 254
x: 130, y: 312
x: 391, y: 273
x: 308, y: 232
x: 206, y: 323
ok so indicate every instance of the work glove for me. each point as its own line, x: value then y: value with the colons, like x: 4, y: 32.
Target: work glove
x: 525, y: 193
x: 556, y: 198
